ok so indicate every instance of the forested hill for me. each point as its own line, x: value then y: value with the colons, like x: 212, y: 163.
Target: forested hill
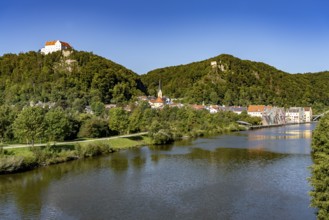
x: 74, y: 80
x: 239, y: 82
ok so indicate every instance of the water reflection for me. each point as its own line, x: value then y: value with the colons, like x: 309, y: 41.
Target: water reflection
x: 138, y: 162
x: 307, y: 134
x: 119, y: 164
x: 208, y: 178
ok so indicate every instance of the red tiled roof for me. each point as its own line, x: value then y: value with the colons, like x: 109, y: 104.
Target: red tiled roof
x: 65, y: 44
x: 51, y: 43
x: 258, y: 108
x: 198, y: 107
x: 159, y: 100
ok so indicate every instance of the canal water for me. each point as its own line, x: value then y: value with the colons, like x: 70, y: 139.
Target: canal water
x: 258, y: 174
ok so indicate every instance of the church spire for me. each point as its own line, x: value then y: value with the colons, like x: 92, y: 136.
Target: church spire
x: 160, y: 91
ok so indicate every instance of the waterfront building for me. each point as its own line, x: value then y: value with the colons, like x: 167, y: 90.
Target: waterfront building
x: 257, y: 110
x: 269, y: 115
x: 308, y: 114
x: 274, y: 116
x: 295, y: 115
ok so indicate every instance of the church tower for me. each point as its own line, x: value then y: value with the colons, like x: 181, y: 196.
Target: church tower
x: 160, y: 91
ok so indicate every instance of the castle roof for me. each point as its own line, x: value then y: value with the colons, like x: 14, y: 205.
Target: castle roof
x: 51, y: 43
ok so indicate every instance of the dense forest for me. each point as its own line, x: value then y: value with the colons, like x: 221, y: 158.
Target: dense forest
x: 65, y: 83
x: 74, y: 80
x: 83, y: 78
x: 233, y: 81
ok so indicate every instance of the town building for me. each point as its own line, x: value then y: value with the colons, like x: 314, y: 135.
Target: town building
x: 212, y: 109
x: 237, y: 109
x: 308, y: 114
x: 197, y: 107
x: 56, y: 45
x: 269, y: 115
x: 257, y: 110
x: 160, y: 101
x: 274, y: 116
x: 295, y: 115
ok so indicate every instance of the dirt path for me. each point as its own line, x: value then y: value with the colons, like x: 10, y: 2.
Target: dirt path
x: 74, y: 142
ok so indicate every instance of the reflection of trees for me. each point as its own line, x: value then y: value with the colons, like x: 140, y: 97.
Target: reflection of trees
x: 138, y: 162
x: 155, y: 158
x: 229, y: 155
x: 167, y: 147
x: 27, y: 188
x: 119, y: 163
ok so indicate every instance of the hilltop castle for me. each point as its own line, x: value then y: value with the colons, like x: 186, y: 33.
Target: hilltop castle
x: 56, y: 45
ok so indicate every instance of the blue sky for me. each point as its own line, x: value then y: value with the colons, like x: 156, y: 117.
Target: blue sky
x: 143, y: 35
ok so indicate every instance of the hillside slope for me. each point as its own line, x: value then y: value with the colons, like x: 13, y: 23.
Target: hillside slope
x: 239, y: 82
x: 76, y: 79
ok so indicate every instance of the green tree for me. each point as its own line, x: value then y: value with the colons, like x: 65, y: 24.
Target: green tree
x: 214, y: 97
x: 94, y: 128
x: 160, y: 133
x: 29, y: 124
x: 98, y: 108
x: 320, y: 169
x: 118, y: 120
x: 7, y: 117
x: 57, y: 124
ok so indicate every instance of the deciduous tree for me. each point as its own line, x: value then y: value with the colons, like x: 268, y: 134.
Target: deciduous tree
x: 29, y: 124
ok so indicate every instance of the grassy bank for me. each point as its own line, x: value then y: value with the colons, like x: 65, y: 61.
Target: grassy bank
x: 22, y: 159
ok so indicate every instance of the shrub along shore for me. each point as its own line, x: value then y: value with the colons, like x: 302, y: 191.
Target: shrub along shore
x: 22, y: 159
x: 33, y: 124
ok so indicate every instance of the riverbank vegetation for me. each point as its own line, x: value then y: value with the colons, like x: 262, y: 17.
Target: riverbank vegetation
x: 320, y: 169
x: 21, y: 159
x: 38, y: 125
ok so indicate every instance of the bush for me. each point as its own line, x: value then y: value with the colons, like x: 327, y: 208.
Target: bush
x: 9, y: 164
x: 92, y: 149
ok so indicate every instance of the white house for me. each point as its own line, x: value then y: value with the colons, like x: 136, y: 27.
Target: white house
x: 257, y: 110
x: 56, y: 45
x: 308, y: 114
x: 295, y: 115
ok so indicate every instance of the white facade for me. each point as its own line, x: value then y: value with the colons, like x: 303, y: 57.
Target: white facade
x: 308, y: 114
x: 256, y: 114
x: 53, y: 46
x: 295, y: 115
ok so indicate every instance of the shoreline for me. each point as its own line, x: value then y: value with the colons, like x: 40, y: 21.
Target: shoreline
x: 22, y: 158
x: 278, y: 125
